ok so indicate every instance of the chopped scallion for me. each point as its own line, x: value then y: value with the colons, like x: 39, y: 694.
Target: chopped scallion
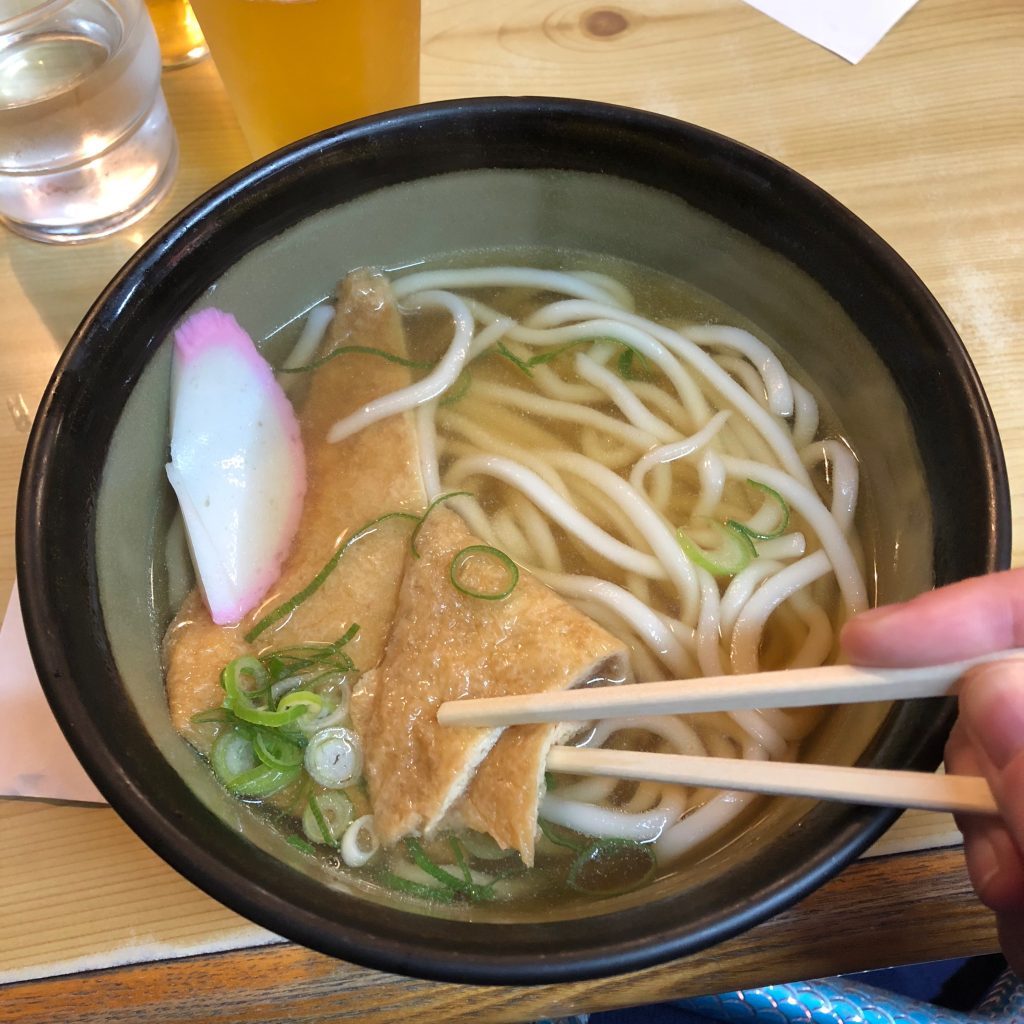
x: 549, y: 833
x: 423, y: 518
x: 232, y: 753
x: 263, y: 781
x: 460, y: 858
x: 326, y: 817
x: 301, y: 845
x: 424, y: 892
x: 781, y: 522
x: 365, y: 350
x: 334, y: 757
x: 609, y: 867
x: 473, y: 551
x: 213, y: 715
x: 275, y: 751
x: 313, y: 703
x: 458, y: 390
x: 503, y: 350
x: 733, y: 554
x: 627, y: 357
x: 241, y: 701
x: 285, y: 609
x: 290, y: 661
x: 446, y: 878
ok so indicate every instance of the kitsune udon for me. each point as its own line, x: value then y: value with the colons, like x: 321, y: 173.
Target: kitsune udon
x: 514, y: 479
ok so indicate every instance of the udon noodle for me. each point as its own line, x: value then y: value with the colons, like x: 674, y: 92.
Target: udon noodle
x: 668, y: 479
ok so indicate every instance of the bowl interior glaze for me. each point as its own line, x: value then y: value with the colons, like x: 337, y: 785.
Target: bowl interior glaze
x: 390, y: 192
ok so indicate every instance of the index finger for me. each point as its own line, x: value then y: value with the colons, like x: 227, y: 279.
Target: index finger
x: 962, y: 620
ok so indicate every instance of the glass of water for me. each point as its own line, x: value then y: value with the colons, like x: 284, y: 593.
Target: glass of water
x: 86, y: 143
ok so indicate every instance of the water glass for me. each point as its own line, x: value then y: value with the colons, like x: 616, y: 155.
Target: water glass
x: 86, y: 142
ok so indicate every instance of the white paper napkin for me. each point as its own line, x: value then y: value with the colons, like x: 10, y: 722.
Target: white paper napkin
x: 35, y: 759
x: 850, y: 28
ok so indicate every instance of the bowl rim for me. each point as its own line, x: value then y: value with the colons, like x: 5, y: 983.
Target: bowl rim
x: 43, y: 596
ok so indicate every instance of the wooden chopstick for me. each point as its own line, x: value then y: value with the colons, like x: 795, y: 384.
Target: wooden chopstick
x: 807, y: 687
x: 874, y: 786
x: 836, y: 684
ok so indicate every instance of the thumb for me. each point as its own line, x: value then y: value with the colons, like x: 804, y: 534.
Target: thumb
x: 992, y: 716
x: 958, y: 621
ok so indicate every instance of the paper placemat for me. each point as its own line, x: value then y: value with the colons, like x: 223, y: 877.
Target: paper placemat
x: 850, y: 28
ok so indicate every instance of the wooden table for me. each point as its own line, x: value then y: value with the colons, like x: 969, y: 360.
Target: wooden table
x: 924, y: 140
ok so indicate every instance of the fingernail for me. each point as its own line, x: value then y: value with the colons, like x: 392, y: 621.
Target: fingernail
x: 992, y: 707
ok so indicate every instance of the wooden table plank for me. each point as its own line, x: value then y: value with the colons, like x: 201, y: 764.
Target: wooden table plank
x: 871, y: 916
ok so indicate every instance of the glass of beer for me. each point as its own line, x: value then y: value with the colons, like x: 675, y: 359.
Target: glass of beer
x: 181, y: 38
x: 293, y: 67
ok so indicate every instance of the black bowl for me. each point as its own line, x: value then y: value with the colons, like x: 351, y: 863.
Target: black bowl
x: 440, y: 178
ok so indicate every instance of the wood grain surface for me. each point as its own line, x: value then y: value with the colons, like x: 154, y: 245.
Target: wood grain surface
x: 924, y: 140
x: 907, y: 907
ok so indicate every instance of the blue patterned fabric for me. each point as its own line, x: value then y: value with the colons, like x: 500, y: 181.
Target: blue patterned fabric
x: 826, y: 1001
x: 842, y: 1001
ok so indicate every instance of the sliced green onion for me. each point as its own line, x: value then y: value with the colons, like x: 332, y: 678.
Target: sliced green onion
x: 263, y: 780
x: 239, y: 700
x: 609, y: 867
x: 474, y: 550
x: 460, y: 858
x: 418, y: 889
x: 326, y: 817
x: 213, y: 715
x: 541, y: 358
x: 457, y: 391
x: 782, y: 522
x: 287, y: 607
x: 334, y: 756
x: 732, y: 555
x: 553, y: 353
x: 503, y: 350
x: 312, y: 702
x: 290, y: 661
x: 275, y: 751
x: 423, y: 518
x: 446, y: 878
x: 302, y: 792
x: 549, y: 833
x: 625, y: 363
x: 301, y: 845
x: 246, y: 665
x: 365, y: 350
x: 232, y: 753
x: 268, y: 719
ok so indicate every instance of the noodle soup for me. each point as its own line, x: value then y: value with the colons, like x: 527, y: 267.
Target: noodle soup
x: 625, y: 445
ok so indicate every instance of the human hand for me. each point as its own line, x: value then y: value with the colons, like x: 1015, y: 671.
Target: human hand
x: 950, y: 624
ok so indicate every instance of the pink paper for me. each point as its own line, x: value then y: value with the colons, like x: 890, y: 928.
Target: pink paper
x: 35, y: 759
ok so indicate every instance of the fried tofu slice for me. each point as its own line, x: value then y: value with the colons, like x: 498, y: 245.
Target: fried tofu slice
x: 445, y: 645
x: 504, y: 797
x: 351, y: 483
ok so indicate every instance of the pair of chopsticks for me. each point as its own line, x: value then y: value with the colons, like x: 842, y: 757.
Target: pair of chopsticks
x: 836, y: 684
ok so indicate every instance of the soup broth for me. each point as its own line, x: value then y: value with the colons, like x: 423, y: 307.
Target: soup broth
x: 640, y: 450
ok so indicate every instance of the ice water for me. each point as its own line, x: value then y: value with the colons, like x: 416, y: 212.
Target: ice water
x: 86, y: 144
